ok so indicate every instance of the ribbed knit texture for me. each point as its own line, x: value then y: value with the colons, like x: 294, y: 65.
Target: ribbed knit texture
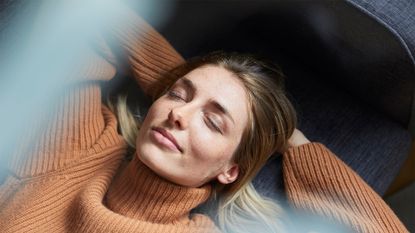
x: 138, y: 201
x: 148, y: 60
x: 70, y: 179
x: 139, y: 193
x: 318, y: 181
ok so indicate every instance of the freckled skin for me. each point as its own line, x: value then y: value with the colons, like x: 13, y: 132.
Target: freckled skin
x: 207, y: 136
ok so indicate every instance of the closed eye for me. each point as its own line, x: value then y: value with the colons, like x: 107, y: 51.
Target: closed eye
x: 175, y: 95
x: 211, y: 123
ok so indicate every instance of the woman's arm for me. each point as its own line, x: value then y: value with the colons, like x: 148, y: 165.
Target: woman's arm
x: 132, y: 45
x: 316, y: 180
x: 78, y: 124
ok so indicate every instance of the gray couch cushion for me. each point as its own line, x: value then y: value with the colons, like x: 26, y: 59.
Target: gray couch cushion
x: 398, y: 18
x: 369, y: 142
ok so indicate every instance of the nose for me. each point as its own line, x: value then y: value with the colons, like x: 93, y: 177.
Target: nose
x: 178, y: 117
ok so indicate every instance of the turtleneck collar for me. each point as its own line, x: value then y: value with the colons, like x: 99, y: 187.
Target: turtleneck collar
x: 138, y: 193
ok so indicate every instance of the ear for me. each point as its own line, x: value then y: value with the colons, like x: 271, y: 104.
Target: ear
x: 229, y: 175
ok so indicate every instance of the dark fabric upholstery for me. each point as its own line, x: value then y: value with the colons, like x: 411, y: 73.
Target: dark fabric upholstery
x: 371, y: 144
x: 374, y: 144
x: 397, y: 16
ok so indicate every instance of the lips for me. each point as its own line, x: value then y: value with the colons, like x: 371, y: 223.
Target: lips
x: 168, y: 136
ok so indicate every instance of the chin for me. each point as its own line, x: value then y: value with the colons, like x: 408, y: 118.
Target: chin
x: 162, y: 163
x: 153, y: 159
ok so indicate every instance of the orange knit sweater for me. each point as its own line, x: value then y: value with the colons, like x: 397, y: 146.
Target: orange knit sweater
x: 73, y: 179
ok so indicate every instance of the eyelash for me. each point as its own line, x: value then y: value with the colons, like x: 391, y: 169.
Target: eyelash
x: 214, y: 125
x: 176, y: 95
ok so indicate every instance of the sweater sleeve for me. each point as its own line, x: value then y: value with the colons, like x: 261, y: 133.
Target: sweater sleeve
x: 78, y: 124
x: 316, y: 180
x: 136, y: 48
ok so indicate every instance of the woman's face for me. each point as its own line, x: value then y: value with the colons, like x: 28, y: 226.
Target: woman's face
x: 190, y: 133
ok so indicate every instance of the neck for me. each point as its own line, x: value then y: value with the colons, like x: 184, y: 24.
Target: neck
x: 138, y: 193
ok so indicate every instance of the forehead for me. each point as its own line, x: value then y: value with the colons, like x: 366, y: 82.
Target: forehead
x: 217, y: 83
x: 211, y: 75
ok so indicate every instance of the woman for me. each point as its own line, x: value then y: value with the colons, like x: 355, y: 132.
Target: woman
x: 218, y: 121
x: 195, y: 141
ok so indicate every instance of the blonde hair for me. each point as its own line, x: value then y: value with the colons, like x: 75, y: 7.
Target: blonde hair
x: 272, y: 120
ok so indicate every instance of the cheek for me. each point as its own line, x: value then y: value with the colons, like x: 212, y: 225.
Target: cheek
x: 152, y: 117
x: 154, y: 109
x: 210, y: 147
x: 155, y: 112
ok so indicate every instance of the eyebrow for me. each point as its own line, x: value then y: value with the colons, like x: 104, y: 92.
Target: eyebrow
x: 223, y: 110
x: 190, y: 85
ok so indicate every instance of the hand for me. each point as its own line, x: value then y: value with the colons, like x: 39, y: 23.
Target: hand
x: 297, y: 139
